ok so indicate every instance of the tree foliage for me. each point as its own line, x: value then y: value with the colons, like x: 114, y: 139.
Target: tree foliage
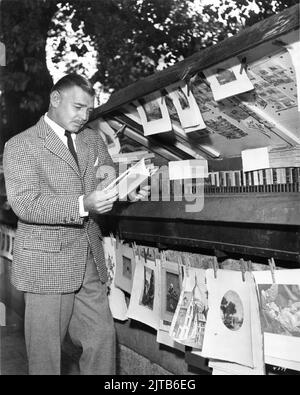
x: 131, y: 37
x: 236, y: 10
x: 25, y: 80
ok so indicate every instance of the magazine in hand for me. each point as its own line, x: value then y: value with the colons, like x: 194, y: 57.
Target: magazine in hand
x: 132, y: 178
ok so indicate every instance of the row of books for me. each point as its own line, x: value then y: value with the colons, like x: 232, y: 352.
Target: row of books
x: 234, y: 181
x: 287, y: 175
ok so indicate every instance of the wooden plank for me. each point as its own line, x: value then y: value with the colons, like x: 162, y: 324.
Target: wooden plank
x: 263, y: 31
x: 235, y: 240
x: 197, y: 361
x: 262, y: 208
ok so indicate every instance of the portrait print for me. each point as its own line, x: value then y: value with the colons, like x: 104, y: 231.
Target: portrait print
x: 152, y: 109
x: 224, y: 76
x: 173, y: 291
x: 147, y: 297
x: 127, y: 267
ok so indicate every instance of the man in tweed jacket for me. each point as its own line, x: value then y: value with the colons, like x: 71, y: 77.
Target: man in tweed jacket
x: 58, y: 256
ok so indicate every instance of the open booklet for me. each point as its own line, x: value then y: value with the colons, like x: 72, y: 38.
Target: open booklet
x: 132, y: 178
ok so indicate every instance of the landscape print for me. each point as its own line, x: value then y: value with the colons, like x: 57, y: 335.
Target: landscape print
x: 232, y: 312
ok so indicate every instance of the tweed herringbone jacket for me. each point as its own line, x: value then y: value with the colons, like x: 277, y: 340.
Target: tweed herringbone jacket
x: 43, y: 184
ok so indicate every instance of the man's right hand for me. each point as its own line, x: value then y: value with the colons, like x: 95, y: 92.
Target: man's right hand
x: 100, y: 202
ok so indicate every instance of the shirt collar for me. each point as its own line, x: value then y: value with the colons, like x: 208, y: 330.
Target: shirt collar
x: 53, y: 125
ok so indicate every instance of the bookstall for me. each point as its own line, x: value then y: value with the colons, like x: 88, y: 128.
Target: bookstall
x: 204, y: 273
x: 223, y: 126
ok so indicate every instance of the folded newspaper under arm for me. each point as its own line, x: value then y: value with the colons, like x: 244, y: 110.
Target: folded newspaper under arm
x: 132, y: 178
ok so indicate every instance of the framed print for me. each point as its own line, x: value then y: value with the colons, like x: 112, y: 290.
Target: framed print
x: 116, y: 296
x: 186, y: 106
x: 125, y: 267
x: 227, y: 79
x: 154, y: 114
x: 280, y: 316
x: 228, y: 333
x: 144, y: 303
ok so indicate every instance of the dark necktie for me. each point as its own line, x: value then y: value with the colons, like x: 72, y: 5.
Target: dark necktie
x: 71, y: 145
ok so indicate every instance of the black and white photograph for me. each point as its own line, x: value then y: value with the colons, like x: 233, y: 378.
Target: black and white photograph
x: 127, y: 267
x: 152, y: 110
x: 147, y: 297
x: 228, y: 79
x: 280, y: 309
x: 189, y: 321
x: 232, y: 312
x: 173, y: 291
x: 224, y: 76
x: 154, y: 115
x: 170, y: 283
x: 149, y: 190
x: 186, y: 106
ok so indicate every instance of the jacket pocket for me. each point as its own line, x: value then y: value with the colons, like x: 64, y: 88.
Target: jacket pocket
x: 46, y: 241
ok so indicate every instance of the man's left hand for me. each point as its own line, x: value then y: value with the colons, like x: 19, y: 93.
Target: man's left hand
x: 135, y: 196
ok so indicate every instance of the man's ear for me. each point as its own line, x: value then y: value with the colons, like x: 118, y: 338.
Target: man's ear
x: 55, y: 99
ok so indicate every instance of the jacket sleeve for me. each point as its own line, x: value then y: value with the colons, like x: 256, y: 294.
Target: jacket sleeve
x: 103, y: 153
x: 107, y: 170
x: 24, y: 194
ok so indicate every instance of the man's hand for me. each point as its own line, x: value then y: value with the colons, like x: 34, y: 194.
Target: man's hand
x: 142, y: 194
x: 100, y: 202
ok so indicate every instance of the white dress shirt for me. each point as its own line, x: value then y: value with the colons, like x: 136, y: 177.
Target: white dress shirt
x: 61, y: 134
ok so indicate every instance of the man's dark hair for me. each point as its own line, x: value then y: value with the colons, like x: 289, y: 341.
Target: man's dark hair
x: 70, y: 80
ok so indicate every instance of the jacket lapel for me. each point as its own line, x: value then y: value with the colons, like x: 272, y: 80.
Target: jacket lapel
x: 54, y: 144
x: 82, y: 152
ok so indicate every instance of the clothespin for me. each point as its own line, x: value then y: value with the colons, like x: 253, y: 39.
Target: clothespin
x: 249, y: 266
x: 243, y: 64
x: 177, y: 257
x: 146, y: 253
x: 182, y: 267
x: 117, y: 239
x: 272, y: 268
x: 139, y: 251
x: 185, y: 73
x: 166, y: 255
x: 187, y: 79
x: 154, y: 255
x: 198, y: 261
x: 188, y: 264
x: 112, y: 239
x: 189, y: 85
x: 121, y: 130
x: 243, y: 268
x: 215, y: 266
x: 134, y: 247
x: 161, y: 253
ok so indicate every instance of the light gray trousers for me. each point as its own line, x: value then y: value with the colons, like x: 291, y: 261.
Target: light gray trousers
x: 87, y: 317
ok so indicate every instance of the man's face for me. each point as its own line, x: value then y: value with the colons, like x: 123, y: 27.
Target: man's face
x: 71, y: 108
